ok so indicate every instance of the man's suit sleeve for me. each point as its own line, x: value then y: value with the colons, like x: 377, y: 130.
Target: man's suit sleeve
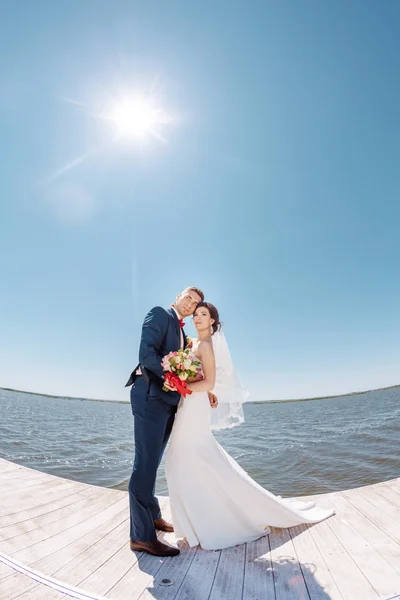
x: 153, y: 332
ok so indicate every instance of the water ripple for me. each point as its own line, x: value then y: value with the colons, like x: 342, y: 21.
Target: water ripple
x: 289, y: 448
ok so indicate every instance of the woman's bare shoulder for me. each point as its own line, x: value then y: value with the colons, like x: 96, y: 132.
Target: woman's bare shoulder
x: 205, y: 346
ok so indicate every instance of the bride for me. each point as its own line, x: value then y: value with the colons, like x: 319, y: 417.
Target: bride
x: 214, y: 502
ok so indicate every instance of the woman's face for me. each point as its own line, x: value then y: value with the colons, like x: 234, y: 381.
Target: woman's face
x: 202, y: 319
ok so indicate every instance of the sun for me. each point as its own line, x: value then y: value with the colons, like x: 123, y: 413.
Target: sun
x: 134, y: 114
x: 137, y: 117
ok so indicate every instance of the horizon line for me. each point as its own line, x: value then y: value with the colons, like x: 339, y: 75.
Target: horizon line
x: 251, y: 402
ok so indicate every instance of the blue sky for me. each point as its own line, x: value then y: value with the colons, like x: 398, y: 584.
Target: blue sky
x: 275, y: 188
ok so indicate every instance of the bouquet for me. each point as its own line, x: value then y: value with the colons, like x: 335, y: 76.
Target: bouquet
x: 179, y: 367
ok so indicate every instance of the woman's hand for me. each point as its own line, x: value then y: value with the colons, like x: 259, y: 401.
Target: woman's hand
x: 198, y: 377
x: 213, y: 400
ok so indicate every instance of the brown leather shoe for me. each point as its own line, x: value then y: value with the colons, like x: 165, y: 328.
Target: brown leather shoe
x: 162, y: 525
x: 155, y: 548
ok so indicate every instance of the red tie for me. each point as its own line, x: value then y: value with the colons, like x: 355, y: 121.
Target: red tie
x: 181, y: 323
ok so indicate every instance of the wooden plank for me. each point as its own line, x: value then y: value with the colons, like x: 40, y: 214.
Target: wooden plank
x: 318, y: 579
x: 381, y: 575
x: 44, y: 593
x: 133, y: 574
x: 23, y: 473
x: 381, y: 503
x: 47, y: 588
x: 228, y: 582
x: 45, y: 548
x: 200, y: 576
x: 127, y: 570
x: 4, y: 571
x: 17, y: 480
x: 395, y: 481
x: 94, y: 552
x: 11, y: 496
x: 74, y: 561
x: 13, y: 480
x: 9, y: 467
x: 93, y: 557
x: 79, y: 534
x: 175, y: 568
x: 351, y: 582
x: 20, y: 476
x: 395, y: 484
x: 6, y: 465
x: 7, y: 593
x: 258, y: 576
x: 288, y: 578
x: 55, y: 537
x: 382, y: 483
x: 27, y: 542
x: 386, y: 547
x: 385, y: 522
x: 34, y: 487
x: 24, y: 477
x: 390, y: 494
x: 26, y: 501
x: 23, y: 526
x: 52, y: 564
x: 68, y: 497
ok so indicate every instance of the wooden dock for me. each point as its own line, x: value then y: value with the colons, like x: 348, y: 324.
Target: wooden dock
x: 60, y: 539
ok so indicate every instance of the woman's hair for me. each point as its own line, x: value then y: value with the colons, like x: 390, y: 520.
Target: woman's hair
x: 214, y: 314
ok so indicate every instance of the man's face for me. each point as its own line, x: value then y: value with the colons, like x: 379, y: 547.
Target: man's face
x: 187, y: 302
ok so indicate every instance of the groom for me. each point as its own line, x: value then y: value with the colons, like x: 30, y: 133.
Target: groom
x: 154, y: 413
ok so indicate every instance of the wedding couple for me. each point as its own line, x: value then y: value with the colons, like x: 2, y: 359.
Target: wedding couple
x: 214, y: 502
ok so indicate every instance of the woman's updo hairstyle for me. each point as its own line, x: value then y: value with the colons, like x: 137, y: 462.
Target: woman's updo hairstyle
x: 214, y: 314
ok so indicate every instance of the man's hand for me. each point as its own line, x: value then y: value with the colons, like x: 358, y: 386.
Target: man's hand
x: 168, y: 387
x: 213, y: 400
x: 169, y: 384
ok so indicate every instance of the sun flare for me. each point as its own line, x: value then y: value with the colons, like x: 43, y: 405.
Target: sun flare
x: 137, y: 117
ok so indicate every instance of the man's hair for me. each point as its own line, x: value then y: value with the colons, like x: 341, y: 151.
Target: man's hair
x: 194, y: 289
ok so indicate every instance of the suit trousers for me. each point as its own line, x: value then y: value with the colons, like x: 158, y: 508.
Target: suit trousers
x: 153, y: 421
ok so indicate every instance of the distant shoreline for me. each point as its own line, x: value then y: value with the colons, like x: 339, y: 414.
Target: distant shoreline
x: 255, y: 401
x: 390, y: 387
x: 64, y: 397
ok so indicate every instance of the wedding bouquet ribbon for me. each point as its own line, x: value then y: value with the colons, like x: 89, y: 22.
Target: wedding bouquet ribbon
x: 173, y: 381
x: 179, y: 367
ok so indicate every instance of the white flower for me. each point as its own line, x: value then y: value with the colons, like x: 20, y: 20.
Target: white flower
x: 183, y: 376
x: 187, y: 363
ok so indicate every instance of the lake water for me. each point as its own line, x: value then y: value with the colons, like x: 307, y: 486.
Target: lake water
x: 292, y: 449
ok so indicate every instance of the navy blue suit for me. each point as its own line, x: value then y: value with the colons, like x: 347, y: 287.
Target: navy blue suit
x: 154, y: 413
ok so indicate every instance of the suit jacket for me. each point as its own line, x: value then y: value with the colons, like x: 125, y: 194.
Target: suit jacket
x: 161, y: 334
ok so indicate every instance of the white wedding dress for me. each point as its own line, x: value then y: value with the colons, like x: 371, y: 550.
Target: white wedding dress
x: 214, y: 502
